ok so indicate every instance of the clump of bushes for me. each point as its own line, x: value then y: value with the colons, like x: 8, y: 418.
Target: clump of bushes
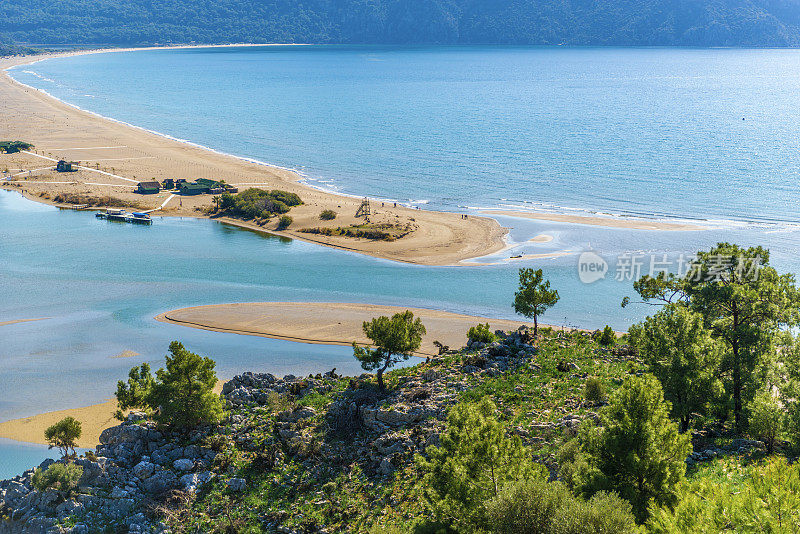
x: 284, y: 222
x: 481, y: 333
x: 60, y: 477
x: 376, y: 232
x: 180, y: 396
x: 256, y: 203
x: 607, y: 337
x: 594, y: 391
x: 12, y: 147
x: 76, y: 198
x: 327, y: 215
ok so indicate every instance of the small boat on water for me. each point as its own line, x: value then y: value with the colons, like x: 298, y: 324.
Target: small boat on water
x: 123, y: 216
x: 140, y: 218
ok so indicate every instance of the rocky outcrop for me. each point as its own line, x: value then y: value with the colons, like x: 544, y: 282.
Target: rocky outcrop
x: 134, y: 464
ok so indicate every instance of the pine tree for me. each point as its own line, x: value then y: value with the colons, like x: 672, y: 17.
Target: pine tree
x: 471, y: 464
x: 635, y: 450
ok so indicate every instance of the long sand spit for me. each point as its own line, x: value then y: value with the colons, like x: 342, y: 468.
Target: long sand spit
x: 330, y: 323
x: 94, y: 419
x: 116, y: 155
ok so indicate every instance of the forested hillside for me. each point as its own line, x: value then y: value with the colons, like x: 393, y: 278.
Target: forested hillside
x: 550, y: 22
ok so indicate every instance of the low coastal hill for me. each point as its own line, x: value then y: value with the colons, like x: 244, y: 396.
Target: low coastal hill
x: 767, y: 23
x: 328, y: 453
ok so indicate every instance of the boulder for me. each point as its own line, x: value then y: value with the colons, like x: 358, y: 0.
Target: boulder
x: 160, y: 482
x: 143, y: 470
x: 183, y: 464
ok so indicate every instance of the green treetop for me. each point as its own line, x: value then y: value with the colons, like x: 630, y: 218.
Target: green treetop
x: 395, y: 340
x: 180, y: 396
x: 534, y: 296
x: 744, y: 302
x: 64, y: 435
x: 471, y: 464
x: 681, y: 353
x: 635, y: 450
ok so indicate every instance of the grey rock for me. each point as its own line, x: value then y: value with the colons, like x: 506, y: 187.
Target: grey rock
x: 237, y: 484
x: 143, y: 470
x: 183, y: 464
x: 160, y: 482
x: 118, y: 493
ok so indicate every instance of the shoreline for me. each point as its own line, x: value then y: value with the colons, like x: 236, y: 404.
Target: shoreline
x: 438, y: 239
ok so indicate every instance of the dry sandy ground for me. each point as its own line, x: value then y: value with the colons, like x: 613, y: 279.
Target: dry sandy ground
x: 330, y: 323
x: 116, y: 156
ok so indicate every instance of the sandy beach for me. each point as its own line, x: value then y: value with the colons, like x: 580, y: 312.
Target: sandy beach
x: 330, y: 323
x: 114, y: 157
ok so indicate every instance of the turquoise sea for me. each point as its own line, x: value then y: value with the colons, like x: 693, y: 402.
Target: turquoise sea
x: 654, y: 132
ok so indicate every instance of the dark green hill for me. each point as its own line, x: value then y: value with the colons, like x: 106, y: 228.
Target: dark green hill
x: 572, y: 22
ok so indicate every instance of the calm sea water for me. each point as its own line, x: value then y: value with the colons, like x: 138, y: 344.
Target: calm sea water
x: 656, y: 132
x: 678, y: 132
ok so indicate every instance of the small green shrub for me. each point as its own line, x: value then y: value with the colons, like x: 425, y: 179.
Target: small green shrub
x: 594, y: 391
x: 327, y: 215
x: 481, y: 333
x: 766, y: 419
x: 540, y: 507
x: 607, y: 337
x: 284, y: 222
x: 61, y: 477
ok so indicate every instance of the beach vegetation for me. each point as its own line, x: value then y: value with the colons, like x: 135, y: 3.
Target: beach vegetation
x: 62, y: 477
x: 12, y: 147
x: 284, y: 222
x: 534, y: 296
x: 682, y: 354
x: 64, y: 435
x: 635, y: 450
x: 395, y: 340
x: 481, y: 333
x: 254, y: 203
x: 180, y: 396
x: 327, y: 215
x: 90, y: 200
x: 373, y: 231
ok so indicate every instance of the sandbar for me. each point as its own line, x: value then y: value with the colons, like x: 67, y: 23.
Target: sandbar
x: 330, y: 323
x: 608, y: 222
